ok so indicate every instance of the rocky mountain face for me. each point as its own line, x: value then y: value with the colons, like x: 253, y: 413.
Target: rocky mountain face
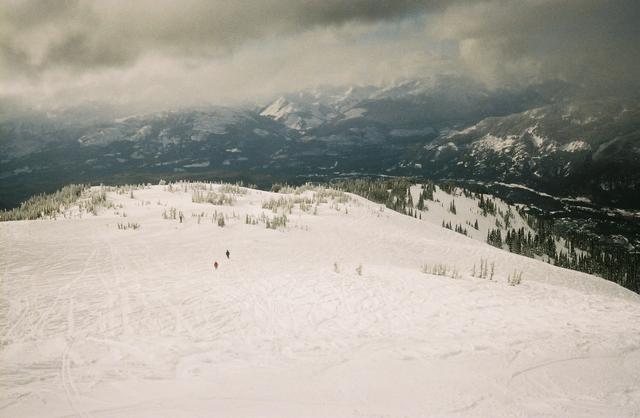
x: 544, y: 137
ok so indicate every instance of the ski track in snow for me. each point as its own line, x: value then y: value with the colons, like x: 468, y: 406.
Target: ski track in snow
x: 96, y: 321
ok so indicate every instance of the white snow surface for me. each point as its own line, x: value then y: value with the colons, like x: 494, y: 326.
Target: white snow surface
x: 577, y: 145
x: 97, y: 321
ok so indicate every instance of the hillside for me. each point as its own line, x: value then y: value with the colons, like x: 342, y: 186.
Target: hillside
x: 327, y: 306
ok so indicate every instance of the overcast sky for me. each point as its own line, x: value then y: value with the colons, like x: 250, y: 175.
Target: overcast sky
x: 179, y: 53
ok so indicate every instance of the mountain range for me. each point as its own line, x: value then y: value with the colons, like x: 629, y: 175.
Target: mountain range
x: 551, y: 137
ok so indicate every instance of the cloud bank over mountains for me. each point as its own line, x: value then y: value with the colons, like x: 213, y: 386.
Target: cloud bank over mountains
x: 195, y: 51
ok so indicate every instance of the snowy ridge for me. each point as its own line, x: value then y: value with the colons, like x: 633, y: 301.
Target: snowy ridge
x: 300, y: 115
x: 329, y: 314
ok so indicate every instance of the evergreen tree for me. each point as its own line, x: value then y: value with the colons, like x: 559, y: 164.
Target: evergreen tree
x: 452, y: 207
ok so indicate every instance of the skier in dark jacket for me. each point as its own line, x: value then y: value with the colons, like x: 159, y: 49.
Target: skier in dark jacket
x: 215, y: 265
x: 228, y: 253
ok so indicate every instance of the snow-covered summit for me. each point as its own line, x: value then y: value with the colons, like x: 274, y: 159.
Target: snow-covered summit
x: 300, y: 115
x: 322, y: 309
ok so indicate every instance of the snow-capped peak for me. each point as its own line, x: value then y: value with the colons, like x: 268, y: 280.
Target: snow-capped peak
x: 278, y: 109
x: 302, y: 113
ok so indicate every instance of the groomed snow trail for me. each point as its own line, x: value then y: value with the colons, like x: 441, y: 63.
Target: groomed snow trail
x: 97, y: 321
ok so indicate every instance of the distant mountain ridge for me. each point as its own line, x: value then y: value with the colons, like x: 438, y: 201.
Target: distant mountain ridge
x: 547, y: 137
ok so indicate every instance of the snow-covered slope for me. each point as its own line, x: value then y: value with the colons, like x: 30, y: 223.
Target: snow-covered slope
x: 330, y: 315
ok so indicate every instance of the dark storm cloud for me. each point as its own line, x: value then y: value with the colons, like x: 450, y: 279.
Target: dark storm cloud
x: 115, y: 49
x: 78, y: 34
x: 593, y: 42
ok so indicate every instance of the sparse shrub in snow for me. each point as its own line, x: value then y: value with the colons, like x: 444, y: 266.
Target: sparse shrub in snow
x: 322, y: 195
x: 284, y: 203
x: 336, y: 207
x: 515, y: 278
x: 276, y: 187
x: 127, y: 189
x: 128, y: 225
x: 276, y: 222
x: 305, y: 205
x: 95, y: 200
x: 483, y: 269
x: 232, y: 189
x: 440, y: 270
x: 201, y: 186
x: 213, y: 198
x: 359, y: 270
x: 486, y: 270
x: 171, y: 214
x: 300, y: 189
x: 162, y: 182
x: 221, y: 221
x: 336, y: 267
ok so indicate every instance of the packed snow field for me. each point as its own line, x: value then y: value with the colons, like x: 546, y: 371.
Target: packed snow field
x: 328, y: 314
